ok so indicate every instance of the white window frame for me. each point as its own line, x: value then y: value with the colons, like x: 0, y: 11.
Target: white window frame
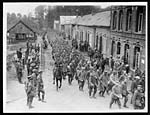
x: 120, y: 20
x: 114, y: 21
x: 137, y: 64
x: 128, y: 28
x: 140, y: 14
x: 117, y: 48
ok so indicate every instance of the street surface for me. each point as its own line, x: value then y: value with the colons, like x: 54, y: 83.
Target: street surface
x: 67, y: 99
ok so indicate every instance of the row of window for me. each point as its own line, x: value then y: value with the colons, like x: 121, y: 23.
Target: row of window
x: 98, y: 44
x: 136, y: 55
x: 118, y: 19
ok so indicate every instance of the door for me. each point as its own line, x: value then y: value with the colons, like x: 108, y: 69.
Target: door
x: 112, y: 47
x: 126, y: 54
x: 100, y: 44
x: 136, y: 59
x: 90, y: 40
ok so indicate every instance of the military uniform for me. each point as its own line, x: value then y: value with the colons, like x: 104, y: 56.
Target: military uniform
x: 116, y: 95
x: 103, y: 83
x: 125, y: 93
x: 40, y: 86
x: 81, y: 79
x: 93, y: 83
x: 19, y: 72
x: 137, y: 99
x: 30, y: 91
x: 133, y: 88
x: 70, y: 75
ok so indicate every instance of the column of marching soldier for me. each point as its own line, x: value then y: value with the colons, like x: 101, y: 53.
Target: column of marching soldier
x: 31, y: 61
x: 102, y: 75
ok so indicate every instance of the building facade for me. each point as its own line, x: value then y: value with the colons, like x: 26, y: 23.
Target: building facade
x: 128, y: 34
x: 119, y: 32
x: 20, y: 31
x: 95, y: 29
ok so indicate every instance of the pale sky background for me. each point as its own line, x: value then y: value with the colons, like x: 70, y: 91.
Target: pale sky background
x: 25, y: 8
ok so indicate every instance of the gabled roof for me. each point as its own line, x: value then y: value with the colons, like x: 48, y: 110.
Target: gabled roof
x: 85, y: 20
x: 21, y: 23
x: 101, y: 19
x: 98, y: 19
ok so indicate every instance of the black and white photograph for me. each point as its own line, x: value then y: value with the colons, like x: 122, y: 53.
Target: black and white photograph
x: 81, y: 57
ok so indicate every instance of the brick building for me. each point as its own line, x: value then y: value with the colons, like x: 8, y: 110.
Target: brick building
x: 95, y: 29
x: 118, y: 31
x: 128, y: 34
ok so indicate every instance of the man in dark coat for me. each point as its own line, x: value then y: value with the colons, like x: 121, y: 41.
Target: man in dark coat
x: 19, y: 54
x: 137, y: 98
x: 125, y: 93
x: 103, y: 83
x: 19, y: 71
x: 93, y: 83
x: 134, y: 85
x: 112, y: 63
x: 40, y: 85
x: 30, y: 91
x: 116, y: 95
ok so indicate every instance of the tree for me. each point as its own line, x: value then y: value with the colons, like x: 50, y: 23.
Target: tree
x: 19, y: 16
x: 39, y: 12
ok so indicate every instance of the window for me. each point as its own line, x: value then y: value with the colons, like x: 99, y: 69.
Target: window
x: 96, y: 42
x: 128, y: 19
x: 126, y: 53
x: 118, y: 47
x: 139, y: 19
x: 100, y: 44
x: 114, y: 20
x: 81, y: 36
x: 136, y: 59
x: 112, y: 47
x: 88, y: 36
x: 120, y: 20
x: 140, y: 22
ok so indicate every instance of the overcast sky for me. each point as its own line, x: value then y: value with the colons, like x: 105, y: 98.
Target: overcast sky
x: 25, y: 8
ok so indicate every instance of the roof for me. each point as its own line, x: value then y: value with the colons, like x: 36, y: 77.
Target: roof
x: 85, y: 20
x: 20, y: 21
x: 101, y: 19
x: 66, y: 19
x: 98, y: 19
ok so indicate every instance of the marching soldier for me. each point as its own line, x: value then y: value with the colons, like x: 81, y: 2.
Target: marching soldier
x: 134, y: 85
x: 19, y: 71
x: 93, y: 83
x: 70, y: 74
x: 125, y: 93
x: 30, y: 91
x: 137, y: 97
x: 103, y: 83
x: 110, y: 83
x: 19, y: 54
x: 116, y: 94
x: 138, y: 72
x: 81, y: 78
x: 40, y: 85
x: 54, y: 69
